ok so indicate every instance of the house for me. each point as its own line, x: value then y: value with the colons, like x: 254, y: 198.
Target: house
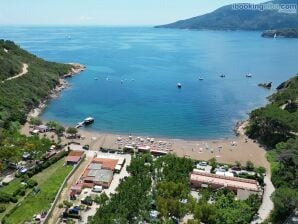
x: 96, y: 175
x: 242, y: 187
x: 74, y: 157
x: 108, y: 164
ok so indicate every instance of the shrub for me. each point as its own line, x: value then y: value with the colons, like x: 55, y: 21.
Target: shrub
x: 2, y: 208
x: 13, y: 199
x: 67, y: 203
x: 31, y: 183
x: 4, y: 197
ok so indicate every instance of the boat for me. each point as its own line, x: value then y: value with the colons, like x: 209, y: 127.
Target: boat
x: 275, y: 35
x: 222, y: 76
x: 95, y: 78
x: 88, y: 120
x: 179, y: 85
x: 201, y: 79
x: 249, y: 75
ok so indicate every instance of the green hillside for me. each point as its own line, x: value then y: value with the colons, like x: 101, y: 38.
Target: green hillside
x: 20, y: 95
x: 276, y: 127
x: 225, y: 18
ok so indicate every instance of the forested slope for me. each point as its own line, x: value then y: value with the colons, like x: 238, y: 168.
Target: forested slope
x: 276, y: 127
x: 19, y: 95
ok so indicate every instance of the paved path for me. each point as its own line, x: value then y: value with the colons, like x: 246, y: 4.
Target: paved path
x: 267, y: 204
x: 24, y: 71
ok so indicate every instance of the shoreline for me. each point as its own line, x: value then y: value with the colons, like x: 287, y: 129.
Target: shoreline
x: 226, y: 150
x: 54, y: 93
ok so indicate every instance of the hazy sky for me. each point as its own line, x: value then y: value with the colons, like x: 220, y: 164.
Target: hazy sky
x: 105, y: 12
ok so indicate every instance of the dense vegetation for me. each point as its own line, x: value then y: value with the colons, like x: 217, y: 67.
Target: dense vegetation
x: 17, y: 97
x: 275, y: 126
x: 289, y: 33
x: 225, y: 18
x: 162, y: 185
x: 20, y: 95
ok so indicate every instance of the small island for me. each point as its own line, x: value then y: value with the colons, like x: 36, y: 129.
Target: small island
x: 286, y: 33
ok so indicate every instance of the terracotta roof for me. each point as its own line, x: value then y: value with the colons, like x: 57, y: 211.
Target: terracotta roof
x: 73, y: 159
x: 109, y: 164
x: 76, y: 153
x: 224, y: 181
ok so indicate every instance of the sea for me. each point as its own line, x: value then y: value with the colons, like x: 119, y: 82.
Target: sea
x: 130, y: 82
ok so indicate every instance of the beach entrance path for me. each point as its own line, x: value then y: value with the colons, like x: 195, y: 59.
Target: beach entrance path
x: 24, y: 71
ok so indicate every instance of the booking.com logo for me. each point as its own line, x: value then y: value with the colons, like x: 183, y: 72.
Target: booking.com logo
x: 282, y: 8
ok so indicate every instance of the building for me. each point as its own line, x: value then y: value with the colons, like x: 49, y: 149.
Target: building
x: 95, y: 174
x: 242, y: 187
x: 108, y: 164
x: 74, y: 157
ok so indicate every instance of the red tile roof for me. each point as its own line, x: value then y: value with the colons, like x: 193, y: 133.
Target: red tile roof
x: 109, y: 164
x: 72, y: 159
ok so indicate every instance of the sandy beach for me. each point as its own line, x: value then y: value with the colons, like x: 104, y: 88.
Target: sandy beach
x: 239, y: 148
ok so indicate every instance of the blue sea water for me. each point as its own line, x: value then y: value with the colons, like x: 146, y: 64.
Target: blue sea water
x: 151, y: 62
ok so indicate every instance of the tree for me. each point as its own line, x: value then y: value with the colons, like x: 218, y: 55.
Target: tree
x: 59, y: 130
x: 205, y: 212
x: 35, y: 121
x: 72, y: 131
x: 285, y: 201
x: 102, y: 199
x: 249, y: 166
x: 52, y: 124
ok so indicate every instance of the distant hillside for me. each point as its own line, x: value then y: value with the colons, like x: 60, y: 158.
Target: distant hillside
x: 225, y: 18
x: 19, y: 95
x: 287, y: 33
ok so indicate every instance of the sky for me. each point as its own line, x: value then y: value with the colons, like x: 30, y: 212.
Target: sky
x: 104, y: 12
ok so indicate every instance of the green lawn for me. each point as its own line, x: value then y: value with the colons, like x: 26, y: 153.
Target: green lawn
x: 49, y: 181
x: 12, y: 186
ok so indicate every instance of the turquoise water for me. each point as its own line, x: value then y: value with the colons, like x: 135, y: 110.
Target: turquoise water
x: 157, y: 59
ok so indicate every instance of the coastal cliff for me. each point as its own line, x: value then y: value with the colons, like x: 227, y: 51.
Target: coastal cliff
x: 21, y: 93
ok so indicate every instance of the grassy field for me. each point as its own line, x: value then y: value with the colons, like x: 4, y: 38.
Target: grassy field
x: 49, y: 181
x: 11, y: 187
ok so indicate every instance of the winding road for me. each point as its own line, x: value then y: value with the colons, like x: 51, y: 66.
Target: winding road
x: 24, y: 71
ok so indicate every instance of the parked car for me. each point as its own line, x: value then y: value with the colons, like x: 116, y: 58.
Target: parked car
x: 86, y: 147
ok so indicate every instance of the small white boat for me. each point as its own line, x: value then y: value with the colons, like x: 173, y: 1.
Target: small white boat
x: 179, y: 85
x: 95, y: 78
x: 89, y: 120
x: 275, y: 35
x: 222, y: 76
x: 201, y: 79
x: 249, y: 75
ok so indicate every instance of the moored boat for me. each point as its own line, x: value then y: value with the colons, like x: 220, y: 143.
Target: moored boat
x: 89, y: 120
